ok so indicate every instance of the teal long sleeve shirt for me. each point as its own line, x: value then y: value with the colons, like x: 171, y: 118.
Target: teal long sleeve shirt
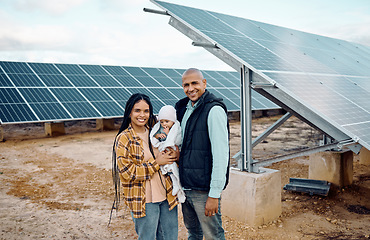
x: 219, y: 137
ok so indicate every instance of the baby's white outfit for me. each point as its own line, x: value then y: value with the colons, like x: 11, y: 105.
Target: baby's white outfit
x: 173, y: 138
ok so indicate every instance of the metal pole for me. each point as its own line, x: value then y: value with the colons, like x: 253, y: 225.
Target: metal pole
x: 242, y: 165
x: 246, y: 119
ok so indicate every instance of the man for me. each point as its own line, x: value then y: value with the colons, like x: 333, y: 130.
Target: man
x: 204, y: 156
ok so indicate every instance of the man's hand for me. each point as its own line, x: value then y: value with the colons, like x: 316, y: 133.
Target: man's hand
x: 164, y: 158
x: 211, y: 207
x: 174, y: 153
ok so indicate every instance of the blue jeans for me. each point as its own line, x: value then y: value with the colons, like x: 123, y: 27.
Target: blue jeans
x: 159, y: 222
x: 196, y: 221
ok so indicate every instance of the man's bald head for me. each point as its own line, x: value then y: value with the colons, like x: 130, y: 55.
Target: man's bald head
x: 193, y: 71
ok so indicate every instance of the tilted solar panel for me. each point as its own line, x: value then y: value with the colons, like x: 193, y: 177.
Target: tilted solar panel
x: 40, y: 92
x: 323, y: 80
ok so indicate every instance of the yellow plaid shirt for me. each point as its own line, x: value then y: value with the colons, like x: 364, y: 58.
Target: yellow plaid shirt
x: 134, y: 171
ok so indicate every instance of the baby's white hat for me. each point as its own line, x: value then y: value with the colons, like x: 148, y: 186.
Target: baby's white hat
x: 167, y: 112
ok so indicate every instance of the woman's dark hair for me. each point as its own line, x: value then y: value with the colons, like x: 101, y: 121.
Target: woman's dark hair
x: 135, y: 98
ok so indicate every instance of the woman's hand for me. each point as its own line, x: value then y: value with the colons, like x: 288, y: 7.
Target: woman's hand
x: 165, y: 157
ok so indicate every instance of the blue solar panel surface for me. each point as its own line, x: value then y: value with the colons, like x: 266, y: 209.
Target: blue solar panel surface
x: 329, y: 76
x: 39, y: 92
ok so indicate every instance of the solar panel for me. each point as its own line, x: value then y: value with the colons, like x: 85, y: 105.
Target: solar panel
x: 13, y: 107
x: 323, y: 80
x: 40, y: 92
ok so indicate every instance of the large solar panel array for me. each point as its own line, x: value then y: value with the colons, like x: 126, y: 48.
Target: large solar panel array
x: 40, y: 92
x: 324, y: 77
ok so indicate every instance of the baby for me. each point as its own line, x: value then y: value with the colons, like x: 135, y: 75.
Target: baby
x: 167, y: 133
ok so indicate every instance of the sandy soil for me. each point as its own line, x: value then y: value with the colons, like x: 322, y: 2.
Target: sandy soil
x: 61, y: 188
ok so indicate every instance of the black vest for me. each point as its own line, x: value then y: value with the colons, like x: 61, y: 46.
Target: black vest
x: 195, y: 163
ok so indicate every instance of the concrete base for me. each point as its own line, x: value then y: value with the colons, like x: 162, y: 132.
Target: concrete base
x: 234, y: 116
x: 257, y: 113
x: 334, y: 167
x: 104, y: 124
x: 273, y: 112
x: 253, y: 198
x: 364, y: 156
x: 2, y: 134
x: 54, y: 129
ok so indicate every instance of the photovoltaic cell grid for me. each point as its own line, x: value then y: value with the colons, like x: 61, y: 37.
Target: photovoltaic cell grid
x: 39, y: 92
x: 329, y: 76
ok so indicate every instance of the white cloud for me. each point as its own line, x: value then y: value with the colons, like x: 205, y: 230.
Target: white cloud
x: 48, y: 6
x: 15, y: 35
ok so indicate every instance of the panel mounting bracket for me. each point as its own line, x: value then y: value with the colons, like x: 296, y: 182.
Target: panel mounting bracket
x: 155, y: 11
x: 263, y: 85
x: 205, y: 45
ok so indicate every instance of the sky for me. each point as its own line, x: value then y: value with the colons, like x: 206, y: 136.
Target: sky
x: 119, y: 32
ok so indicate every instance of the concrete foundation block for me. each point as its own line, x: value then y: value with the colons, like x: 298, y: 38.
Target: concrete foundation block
x: 54, y: 129
x: 257, y: 113
x: 364, y: 156
x: 334, y: 167
x: 104, y: 124
x: 273, y: 112
x: 2, y: 134
x: 253, y: 198
x: 234, y: 116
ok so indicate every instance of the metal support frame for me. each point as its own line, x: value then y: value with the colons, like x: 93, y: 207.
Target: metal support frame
x: 246, y: 119
x: 266, y: 133
x: 306, y: 114
x: 272, y: 128
x: 337, y: 146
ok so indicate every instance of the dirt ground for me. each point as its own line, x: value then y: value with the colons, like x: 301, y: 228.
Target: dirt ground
x: 61, y: 187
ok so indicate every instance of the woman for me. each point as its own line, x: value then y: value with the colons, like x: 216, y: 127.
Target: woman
x: 146, y: 192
